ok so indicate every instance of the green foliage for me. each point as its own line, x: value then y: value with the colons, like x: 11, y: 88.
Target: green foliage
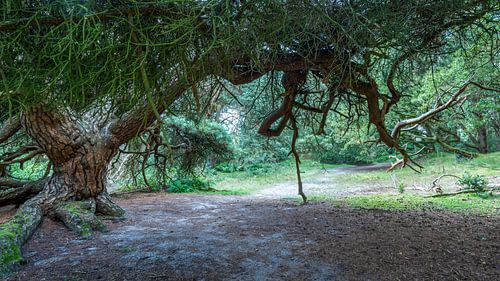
x: 228, y: 167
x: 350, y: 153
x: 185, y: 149
x: 401, y: 188
x: 434, y: 166
x: 204, y: 141
x: 30, y: 170
x: 187, y: 185
x: 473, y: 182
x: 258, y: 168
x: 461, y: 125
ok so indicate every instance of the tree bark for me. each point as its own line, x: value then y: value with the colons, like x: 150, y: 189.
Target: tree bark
x: 79, y: 155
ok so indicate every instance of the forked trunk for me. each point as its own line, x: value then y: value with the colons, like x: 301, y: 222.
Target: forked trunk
x: 79, y: 154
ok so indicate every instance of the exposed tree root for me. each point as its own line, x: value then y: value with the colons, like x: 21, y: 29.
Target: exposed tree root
x: 14, y: 233
x: 106, y: 207
x: 80, y: 217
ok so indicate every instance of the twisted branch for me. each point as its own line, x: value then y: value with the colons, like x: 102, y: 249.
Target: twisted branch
x: 9, y: 128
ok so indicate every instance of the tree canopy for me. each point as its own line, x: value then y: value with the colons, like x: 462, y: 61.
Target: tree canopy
x: 82, y: 81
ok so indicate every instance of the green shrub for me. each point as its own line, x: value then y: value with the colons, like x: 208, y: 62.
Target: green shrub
x: 473, y: 182
x: 401, y: 187
x: 229, y: 167
x: 186, y: 185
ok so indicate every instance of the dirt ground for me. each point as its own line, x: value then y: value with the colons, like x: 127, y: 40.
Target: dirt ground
x: 200, y: 237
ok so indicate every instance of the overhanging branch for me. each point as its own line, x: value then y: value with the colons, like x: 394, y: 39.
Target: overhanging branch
x: 10, y: 127
x: 429, y: 114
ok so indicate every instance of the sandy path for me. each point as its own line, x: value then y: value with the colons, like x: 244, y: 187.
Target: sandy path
x: 323, y: 183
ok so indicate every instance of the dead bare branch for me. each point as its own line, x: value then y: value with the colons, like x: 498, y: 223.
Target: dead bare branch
x: 436, y: 187
x: 292, y: 81
x: 457, y: 193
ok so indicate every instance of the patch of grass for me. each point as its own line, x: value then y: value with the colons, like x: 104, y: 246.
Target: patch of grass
x: 465, y: 203
x: 434, y: 166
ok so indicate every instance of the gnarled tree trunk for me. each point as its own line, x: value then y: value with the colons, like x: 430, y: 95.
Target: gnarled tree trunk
x: 80, y: 154
x: 80, y: 150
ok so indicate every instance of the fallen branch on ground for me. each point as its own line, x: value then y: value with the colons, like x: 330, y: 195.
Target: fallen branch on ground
x: 436, y: 187
x: 459, y: 192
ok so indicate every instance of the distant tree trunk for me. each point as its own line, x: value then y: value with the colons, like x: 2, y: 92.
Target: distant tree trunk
x: 482, y: 139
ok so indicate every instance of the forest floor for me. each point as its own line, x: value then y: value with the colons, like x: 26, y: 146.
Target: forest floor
x: 265, y: 236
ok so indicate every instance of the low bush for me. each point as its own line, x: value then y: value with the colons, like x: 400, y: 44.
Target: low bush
x: 473, y: 182
x: 187, y: 185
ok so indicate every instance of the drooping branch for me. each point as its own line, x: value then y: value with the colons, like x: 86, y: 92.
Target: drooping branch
x: 292, y: 81
x: 283, y: 113
x: 395, y: 94
x: 325, y: 110
x: 377, y: 118
x: 296, y: 157
x: 9, y: 128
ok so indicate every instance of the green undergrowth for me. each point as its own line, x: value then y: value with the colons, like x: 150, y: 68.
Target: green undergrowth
x: 179, y: 185
x: 188, y: 185
x: 433, y: 167
x: 240, y: 181
x: 473, y: 203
